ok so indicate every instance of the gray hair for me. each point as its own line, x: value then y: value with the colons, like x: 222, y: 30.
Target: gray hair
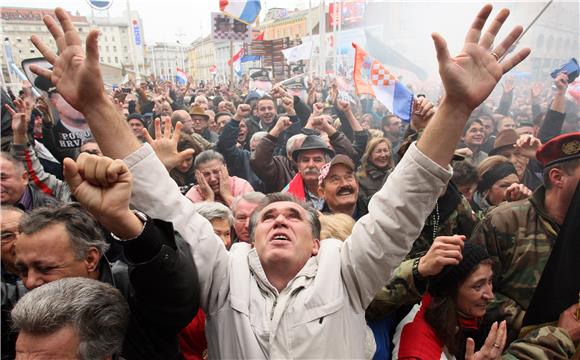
x: 206, y: 156
x: 214, y: 210
x: 97, y: 312
x: 83, y: 231
x: 258, y: 136
x: 18, y: 165
x: 279, y: 197
x: 294, y: 143
x: 254, y: 197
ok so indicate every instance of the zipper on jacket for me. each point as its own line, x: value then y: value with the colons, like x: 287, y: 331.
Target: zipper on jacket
x: 273, y: 307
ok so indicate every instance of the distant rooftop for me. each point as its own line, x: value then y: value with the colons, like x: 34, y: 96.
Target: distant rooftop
x: 32, y: 14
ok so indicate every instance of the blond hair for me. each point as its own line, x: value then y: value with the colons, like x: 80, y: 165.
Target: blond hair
x: 335, y: 226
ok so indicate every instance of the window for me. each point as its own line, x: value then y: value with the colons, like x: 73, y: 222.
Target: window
x: 125, y: 48
x: 32, y: 51
x: 101, y: 59
x: 116, y: 60
x: 107, y: 48
x: 108, y: 59
x: 114, y: 48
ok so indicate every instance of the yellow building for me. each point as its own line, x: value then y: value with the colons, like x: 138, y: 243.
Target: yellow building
x: 280, y: 23
x: 201, y: 56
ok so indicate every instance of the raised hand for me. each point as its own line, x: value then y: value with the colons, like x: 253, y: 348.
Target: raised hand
x: 561, y: 82
x: 317, y: 109
x: 20, y: 120
x: 103, y: 186
x: 278, y: 92
x: 470, y: 77
x: 243, y: 111
x: 423, y: 111
x: 343, y: 106
x: 282, y: 125
x: 288, y: 104
x: 445, y: 250
x: 528, y: 145
x: 508, y: 85
x: 493, y: 346
x: 165, y: 145
x: 77, y: 76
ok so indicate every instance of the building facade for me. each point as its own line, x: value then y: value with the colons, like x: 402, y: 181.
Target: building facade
x: 117, y: 46
x: 163, y: 59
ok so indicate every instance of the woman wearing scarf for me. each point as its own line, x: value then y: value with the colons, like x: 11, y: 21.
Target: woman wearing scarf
x: 498, y: 182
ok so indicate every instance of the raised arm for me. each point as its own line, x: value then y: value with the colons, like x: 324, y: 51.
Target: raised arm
x: 397, y: 213
x: 77, y: 77
x: 468, y: 79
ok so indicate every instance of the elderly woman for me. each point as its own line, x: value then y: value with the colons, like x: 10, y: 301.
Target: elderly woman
x: 376, y: 164
x: 451, y: 312
x: 498, y: 182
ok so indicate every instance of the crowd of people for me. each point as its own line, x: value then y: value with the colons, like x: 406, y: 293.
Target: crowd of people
x: 164, y: 221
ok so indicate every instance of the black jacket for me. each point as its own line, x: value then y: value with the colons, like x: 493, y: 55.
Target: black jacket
x: 160, y: 284
x: 237, y: 160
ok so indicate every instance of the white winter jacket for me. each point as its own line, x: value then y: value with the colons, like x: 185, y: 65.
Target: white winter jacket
x: 320, y: 314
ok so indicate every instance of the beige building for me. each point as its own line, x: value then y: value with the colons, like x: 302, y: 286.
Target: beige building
x: 202, y: 55
x: 116, y: 46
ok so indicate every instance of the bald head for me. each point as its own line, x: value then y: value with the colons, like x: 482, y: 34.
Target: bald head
x: 184, y: 117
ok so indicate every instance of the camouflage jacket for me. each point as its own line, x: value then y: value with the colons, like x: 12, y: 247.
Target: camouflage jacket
x: 401, y: 289
x: 544, y: 343
x: 519, y: 237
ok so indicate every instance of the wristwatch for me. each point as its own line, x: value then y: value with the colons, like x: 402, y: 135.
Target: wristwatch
x: 420, y: 280
x: 142, y: 217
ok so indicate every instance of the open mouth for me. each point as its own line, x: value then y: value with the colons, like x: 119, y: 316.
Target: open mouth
x: 279, y: 237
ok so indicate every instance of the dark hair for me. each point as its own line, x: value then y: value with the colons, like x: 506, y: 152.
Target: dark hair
x: 83, y: 230
x: 567, y: 167
x: 441, y: 314
x: 266, y: 97
x: 279, y: 197
x: 464, y: 173
x: 470, y: 123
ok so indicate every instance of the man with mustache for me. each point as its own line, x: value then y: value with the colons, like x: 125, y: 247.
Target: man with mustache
x: 309, y: 158
x: 338, y: 186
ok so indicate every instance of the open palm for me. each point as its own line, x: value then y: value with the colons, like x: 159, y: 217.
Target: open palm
x: 470, y: 77
x: 74, y: 73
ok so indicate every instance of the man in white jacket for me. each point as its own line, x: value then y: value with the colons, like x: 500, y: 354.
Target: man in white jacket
x: 291, y: 296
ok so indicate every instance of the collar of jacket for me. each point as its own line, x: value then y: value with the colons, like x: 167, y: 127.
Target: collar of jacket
x: 537, y: 201
x: 360, y: 209
x: 308, y: 271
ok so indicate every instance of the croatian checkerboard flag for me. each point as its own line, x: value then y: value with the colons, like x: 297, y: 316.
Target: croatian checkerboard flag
x: 371, y: 77
x: 180, y: 76
x: 244, y: 10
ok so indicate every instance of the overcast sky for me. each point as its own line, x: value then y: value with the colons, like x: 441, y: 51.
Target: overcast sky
x: 163, y: 20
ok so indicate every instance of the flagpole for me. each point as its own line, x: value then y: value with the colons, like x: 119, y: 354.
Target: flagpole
x: 322, y: 39
x: 526, y: 30
x: 231, y: 62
